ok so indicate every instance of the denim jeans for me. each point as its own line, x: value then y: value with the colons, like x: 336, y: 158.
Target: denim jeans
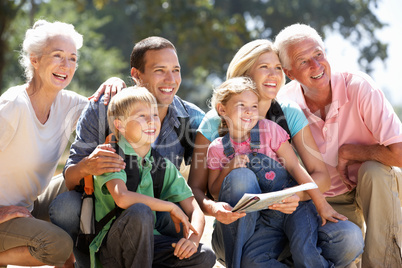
x: 340, y: 243
x: 274, y: 229
x: 65, y: 212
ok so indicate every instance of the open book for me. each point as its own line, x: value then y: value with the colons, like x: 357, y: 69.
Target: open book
x: 255, y: 202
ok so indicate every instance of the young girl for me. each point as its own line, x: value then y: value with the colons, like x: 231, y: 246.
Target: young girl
x: 254, y: 147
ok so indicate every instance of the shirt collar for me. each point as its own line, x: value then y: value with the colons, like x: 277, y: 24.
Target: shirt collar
x: 175, y: 110
x: 128, y: 149
x: 339, y: 93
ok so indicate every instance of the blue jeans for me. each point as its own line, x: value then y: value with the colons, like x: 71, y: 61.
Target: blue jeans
x: 340, y: 242
x: 65, y: 212
x: 272, y: 231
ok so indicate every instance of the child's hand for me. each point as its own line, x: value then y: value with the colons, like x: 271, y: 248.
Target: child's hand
x: 178, y: 216
x: 185, y: 248
x: 288, y: 205
x: 238, y: 161
x: 328, y: 213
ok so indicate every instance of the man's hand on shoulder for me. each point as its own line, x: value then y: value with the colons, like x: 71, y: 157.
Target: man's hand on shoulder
x: 109, y: 88
x: 102, y: 160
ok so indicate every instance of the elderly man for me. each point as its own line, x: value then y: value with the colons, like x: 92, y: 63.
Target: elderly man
x: 359, y: 136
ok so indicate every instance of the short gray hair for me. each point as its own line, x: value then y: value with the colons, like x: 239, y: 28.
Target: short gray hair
x: 291, y: 35
x: 37, y: 37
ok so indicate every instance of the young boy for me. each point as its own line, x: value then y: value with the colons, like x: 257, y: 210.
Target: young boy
x: 132, y: 239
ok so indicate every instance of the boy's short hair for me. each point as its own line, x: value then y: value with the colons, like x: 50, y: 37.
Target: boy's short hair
x: 121, y: 104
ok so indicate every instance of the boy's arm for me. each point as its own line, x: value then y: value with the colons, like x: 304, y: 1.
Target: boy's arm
x: 188, y: 245
x: 125, y: 198
x: 197, y: 219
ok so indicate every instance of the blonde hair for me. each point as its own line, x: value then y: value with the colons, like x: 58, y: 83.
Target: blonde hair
x: 122, y: 103
x: 36, y: 40
x: 226, y: 90
x: 247, y: 56
x: 292, y: 35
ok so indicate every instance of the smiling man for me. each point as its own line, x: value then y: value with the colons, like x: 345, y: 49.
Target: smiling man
x: 154, y: 65
x: 359, y: 136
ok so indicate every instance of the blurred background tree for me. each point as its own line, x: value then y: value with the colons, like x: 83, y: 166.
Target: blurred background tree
x: 206, y: 33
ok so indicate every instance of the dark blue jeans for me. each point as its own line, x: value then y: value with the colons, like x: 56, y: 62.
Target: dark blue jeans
x: 238, y: 244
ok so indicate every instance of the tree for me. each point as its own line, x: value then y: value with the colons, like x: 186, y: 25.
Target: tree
x: 208, y: 33
x: 8, y: 12
x: 96, y: 61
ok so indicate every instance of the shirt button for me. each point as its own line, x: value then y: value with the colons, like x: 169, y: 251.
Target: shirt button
x: 325, y: 129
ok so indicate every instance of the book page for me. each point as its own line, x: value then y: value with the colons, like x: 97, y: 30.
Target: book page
x: 255, y: 202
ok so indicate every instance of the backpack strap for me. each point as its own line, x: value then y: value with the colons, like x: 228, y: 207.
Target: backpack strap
x: 186, y: 135
x: 276, y: 114
x: 133, y: 173
x: 133, y: 179
x: 158, y: 172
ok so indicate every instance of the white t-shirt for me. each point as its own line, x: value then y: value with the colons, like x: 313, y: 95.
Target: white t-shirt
x: 30, y: 150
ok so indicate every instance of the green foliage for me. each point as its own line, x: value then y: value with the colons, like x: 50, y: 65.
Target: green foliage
x: 206, y: 33
x: 398, y: 111
x: 96, y: 62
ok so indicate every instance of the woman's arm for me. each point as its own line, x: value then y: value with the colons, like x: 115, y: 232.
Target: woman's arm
x: 198, y: 181
x: 312, y: 159
x: 198, y: 177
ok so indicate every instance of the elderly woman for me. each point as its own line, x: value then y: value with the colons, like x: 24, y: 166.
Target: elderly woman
x: 36, y: 121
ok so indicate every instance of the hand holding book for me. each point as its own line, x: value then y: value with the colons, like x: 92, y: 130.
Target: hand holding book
x: 256, y: 202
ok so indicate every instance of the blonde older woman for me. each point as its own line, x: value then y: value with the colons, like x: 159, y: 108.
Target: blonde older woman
x: 36, y: 121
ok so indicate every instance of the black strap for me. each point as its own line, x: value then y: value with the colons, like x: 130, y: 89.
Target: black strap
x: 276, y: 114
x: 133, y: 179
x: 133, y: 173
x: 186, y: 135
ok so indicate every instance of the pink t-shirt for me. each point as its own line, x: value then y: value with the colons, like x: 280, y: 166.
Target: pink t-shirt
x: 359, y: 114
x: 271, y: 138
